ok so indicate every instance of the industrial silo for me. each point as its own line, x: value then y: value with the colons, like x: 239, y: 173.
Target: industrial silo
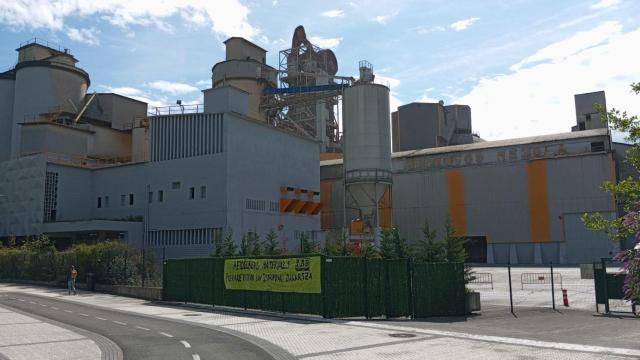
x: 46, y: 84
x: 7, y: 85
x: 367, y: 159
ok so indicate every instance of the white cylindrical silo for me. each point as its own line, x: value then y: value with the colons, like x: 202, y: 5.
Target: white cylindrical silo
x: 367, y: 152
x: 43, y: 87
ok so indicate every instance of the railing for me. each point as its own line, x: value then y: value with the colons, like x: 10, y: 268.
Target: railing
x: 539, y: 278
x: 44, y: 42
x: 482, y: 278
x: 177, y: 109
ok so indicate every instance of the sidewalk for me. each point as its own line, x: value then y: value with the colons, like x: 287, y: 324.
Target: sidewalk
x: 27, y: 338
x: 439, y: 338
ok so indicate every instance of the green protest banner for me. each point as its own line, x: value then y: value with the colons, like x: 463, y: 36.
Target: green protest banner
x: 296, y: 275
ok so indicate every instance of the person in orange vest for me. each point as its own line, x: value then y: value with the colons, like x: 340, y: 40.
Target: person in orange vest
x: 71, y: 280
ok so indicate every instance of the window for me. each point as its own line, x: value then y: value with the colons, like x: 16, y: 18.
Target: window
x: 175, y: 185
x: 150, y: 197
x: 106, y: 201
x: 597, y: 146
x: 160, y: 196
x: 203, y: 192
x: 99, y: 202
x: 588, y: 117
x: 130, y: 199
x: 192, y: 193
x: 123, y: 200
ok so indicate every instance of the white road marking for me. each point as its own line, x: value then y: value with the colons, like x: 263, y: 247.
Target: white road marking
x: 99, y: 318
x: 54, y: 308
x: 165, y: 334
x: 69, y: 311
x: 31, y: 302
x: 120, y: 323
x: 43, y: 305
x: 23, y: 300
x: 142, y: 328
x: 196, y: 357
x: 81, y: 314
x: 511, y: 341
x: 186, y: 344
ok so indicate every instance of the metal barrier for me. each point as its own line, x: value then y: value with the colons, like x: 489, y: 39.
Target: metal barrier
x: 482, y: 278
x: 539, y: 279
x: 608, y: 286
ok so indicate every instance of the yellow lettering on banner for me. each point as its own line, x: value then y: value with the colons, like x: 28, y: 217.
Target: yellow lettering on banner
x: 296, y: 275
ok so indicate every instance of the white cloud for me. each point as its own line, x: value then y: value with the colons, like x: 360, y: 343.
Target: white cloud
x: 425, y: 98
x: 226, y: 17
x: 427, y: 30
x: 86, y: 36
x: 206, y: 82
x: 580, y: 41
x: 137, y: 94
x: 173, y: 88
x: 383, y: 19
x: 603, y: 4
x: 353, y: 4
x: 333, y: 13
x: 326, y: 43
x: 538, y: 99
x: 391, y: 82
x: 463, y: 24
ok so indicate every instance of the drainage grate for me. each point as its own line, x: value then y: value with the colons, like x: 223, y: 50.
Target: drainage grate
x: 402, y: 335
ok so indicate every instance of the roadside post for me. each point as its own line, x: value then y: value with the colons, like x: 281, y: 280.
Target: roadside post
x: 553, y: 295
x: 510, y: 290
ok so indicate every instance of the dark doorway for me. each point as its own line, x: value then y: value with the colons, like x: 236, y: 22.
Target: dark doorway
x: 476, y: 247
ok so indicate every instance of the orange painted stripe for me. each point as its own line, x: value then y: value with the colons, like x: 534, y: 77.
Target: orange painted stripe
x: 325, y: 200
x: 538, y: 201
x: 384, y: 209
x: 455, y: 188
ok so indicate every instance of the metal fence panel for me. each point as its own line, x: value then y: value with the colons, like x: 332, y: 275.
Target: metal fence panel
x: 398, y: 288
x: 344, y: 287
x: 175, y: 280
x: 200, y: 275
x: 438, y: 289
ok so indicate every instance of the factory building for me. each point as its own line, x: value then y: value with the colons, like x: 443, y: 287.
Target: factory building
x: 517, y: 200
x: 82, y: 166
x: 295, y: 148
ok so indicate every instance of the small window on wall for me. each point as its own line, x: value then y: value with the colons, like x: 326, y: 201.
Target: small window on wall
x: 203, y: 192
x: 106, y: 201
x: 130, y: 199
x: 99, y: 202
x: 123, y: 200
x: 192, y: 193
x: 160, y: 195
x: 175, y: 185
x: 150, y: 197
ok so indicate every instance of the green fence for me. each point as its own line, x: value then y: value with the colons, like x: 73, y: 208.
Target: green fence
x: 351, y: 287
x: 608, y: 286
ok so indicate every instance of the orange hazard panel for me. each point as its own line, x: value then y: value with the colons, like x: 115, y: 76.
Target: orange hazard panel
x: 539, y: 217
x: 287, y: 205
x: 297, y: 208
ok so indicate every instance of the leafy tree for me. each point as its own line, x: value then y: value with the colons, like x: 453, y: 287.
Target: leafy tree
x: 369, y: 250
x: 271, y: 245
x: 392, y: 246
x: 430, y: 249
x: 627, y: 194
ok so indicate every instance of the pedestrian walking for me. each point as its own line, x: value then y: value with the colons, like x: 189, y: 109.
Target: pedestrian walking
x: 71, y: 280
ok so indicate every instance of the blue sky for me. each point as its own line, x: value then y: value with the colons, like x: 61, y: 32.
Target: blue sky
x: 516, y: 63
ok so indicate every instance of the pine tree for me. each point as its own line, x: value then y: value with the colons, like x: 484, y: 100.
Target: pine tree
x: 225, y: 246
x: 387, y: 246
x: 454, y: 245
x: 429, y: 248
x: 271, y: 245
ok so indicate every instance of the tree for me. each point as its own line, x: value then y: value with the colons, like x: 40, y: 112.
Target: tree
x: 307, y: 246
x: 454, y: 245
x: 392, y: 246
x: 430, y: 249
x: 271, y: 243
x: 225, y: 246
x: 337, y: 244
x: 627, y: 194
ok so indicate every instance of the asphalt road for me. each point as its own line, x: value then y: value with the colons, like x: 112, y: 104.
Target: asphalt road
x: 140, y: 337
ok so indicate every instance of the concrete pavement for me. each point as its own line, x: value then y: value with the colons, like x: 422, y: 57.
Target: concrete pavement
x: 445, y: 338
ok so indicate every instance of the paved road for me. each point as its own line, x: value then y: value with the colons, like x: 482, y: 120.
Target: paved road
x: 140, y: 337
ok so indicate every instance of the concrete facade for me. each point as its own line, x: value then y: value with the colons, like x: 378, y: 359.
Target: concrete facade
x: 513, y: 193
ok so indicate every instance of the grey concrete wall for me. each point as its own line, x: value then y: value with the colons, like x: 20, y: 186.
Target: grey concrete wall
x: 261, y: 159
x: 106, y: 142
x: 21, y: 207
x: 6, y: 117
x: 419, y: 125
x: 53, y: 138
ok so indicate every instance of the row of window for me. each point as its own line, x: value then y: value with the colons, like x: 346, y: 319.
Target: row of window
x: 203, y: 236
x: 261, y: 205
x: 103, y: 201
